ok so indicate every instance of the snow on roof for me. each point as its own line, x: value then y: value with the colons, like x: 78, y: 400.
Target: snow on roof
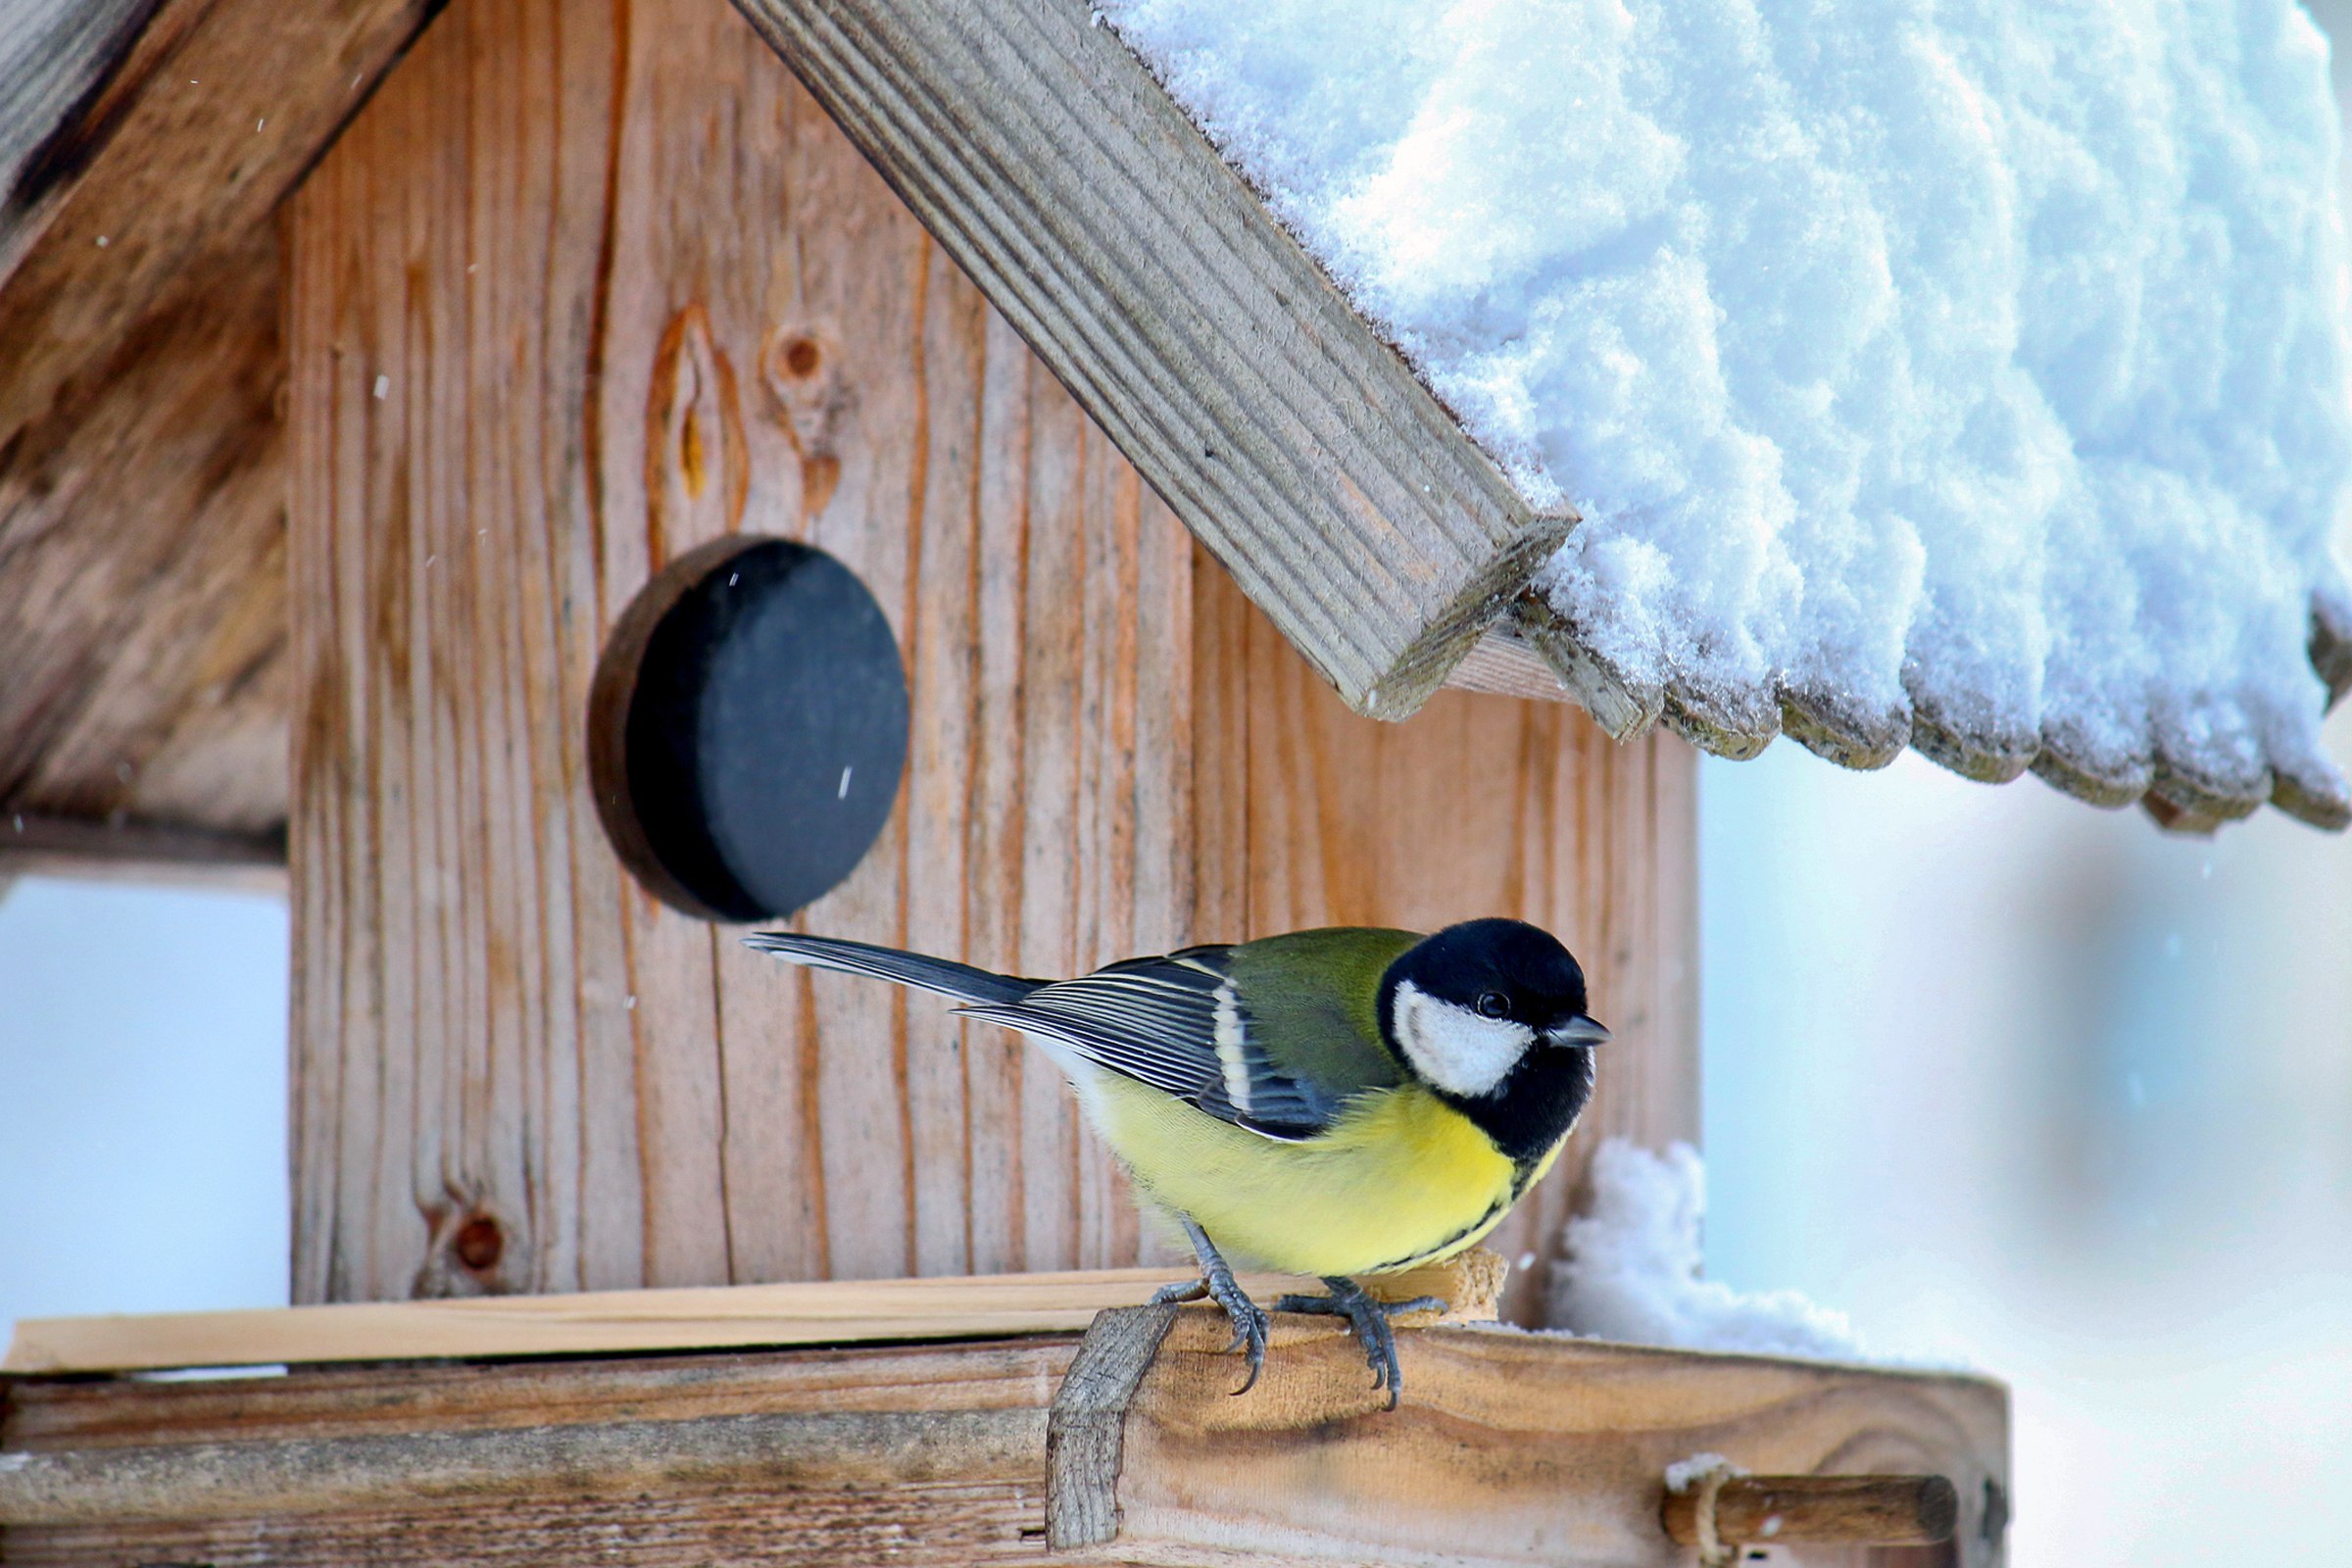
x: 1970, y: 375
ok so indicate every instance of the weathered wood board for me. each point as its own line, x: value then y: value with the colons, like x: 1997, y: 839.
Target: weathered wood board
x: 529, y: 369
x: 156, y: 143
x: 143, y: 147
x: 681, y: 1318
x: 1515, y: 1448
x: 142, y: 579
x: 1507, y: 1449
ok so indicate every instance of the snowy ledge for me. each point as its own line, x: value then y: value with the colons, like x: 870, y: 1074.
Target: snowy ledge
x: 1971, y: 378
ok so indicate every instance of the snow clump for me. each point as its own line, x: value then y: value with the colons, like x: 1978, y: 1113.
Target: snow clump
x: 1631, y: 1269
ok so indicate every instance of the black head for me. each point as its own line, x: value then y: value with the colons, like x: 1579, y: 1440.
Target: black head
x: 1490, y: 1014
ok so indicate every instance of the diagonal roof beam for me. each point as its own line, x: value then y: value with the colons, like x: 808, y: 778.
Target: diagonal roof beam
x: 1299, y: 447
x: 143, y: 138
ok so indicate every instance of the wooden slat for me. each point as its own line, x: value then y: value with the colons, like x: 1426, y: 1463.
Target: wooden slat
x: 54, y: 57
x: 783, y: 1475
x: 167, y: 129
x: 1349, y: 504
x: 142, y: 575
x: 829, y: 1312
x: 1514, y: 1448
x: 848, y: 1451
x: 1507, y: 1449
x: 49, y: 845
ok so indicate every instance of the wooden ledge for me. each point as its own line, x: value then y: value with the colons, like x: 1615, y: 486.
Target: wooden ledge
x: 1508, y: 1449
x: 1512, y: 1448
x: 621, y: 1322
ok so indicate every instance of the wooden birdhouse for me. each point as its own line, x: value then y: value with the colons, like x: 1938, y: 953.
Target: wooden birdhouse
x: 568, y: 479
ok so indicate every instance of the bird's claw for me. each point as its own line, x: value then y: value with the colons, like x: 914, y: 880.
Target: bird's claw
x: 1368, y: 1320
x: 1250, y: 1325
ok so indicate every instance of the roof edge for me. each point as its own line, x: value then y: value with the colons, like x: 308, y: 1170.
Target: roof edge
x: 1295, y: 443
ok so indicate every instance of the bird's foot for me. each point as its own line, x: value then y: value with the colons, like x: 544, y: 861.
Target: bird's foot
x: 1368, y: 1320
x: 1249, y: 1322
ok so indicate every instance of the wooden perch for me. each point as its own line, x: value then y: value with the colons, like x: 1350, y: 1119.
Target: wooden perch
x: 817, y: 1312
x: 1507, y: 1447
x: 1822, y: 1510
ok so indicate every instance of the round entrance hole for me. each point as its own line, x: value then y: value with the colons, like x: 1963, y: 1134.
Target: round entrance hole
x: 747, y: 730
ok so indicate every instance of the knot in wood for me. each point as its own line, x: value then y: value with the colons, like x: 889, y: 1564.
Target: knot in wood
x: 479, y: 1242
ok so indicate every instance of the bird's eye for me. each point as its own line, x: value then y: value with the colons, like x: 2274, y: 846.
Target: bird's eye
x: 1494, y: 1004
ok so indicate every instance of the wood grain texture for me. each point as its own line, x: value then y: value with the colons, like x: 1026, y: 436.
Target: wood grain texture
x: 58, y: 54
x: 1508, y: 1449
x: 1479, y: 805
x: 1086, y: 1432
x: 680, y: 1318
x: 143, y: 147
x: 528, y: 370
x: 33, y: 844
x: 1801, y: 1510
x: 142, y: 574
x: 823, y: 1509
x: 1511, y: 1449
x: 582, y: 377
x: 1286, y: 434
x: 186, y: 123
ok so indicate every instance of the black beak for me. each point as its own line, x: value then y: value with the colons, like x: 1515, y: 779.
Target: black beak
x: 1578, y: 1031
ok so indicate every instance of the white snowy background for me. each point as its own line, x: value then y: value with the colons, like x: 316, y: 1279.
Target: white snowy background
x: 2003, y: 1078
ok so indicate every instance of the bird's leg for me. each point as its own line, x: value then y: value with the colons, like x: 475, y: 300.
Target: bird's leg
x: 1368, y: 1320
x: 1216, y: 1282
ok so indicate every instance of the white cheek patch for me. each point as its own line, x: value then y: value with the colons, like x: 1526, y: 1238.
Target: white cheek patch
x: 1454, y: 1047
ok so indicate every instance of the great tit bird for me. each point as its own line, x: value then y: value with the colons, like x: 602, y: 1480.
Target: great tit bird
x: 1340, y: 1102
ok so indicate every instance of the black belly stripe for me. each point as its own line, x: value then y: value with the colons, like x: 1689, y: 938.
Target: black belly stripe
x: 1523, y: 1172
x: 1494, y: 1212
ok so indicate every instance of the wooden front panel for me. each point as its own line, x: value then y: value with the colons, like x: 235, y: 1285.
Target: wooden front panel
x: 587, y: 284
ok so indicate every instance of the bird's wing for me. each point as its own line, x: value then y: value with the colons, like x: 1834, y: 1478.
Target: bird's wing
x: 1182, y: 1024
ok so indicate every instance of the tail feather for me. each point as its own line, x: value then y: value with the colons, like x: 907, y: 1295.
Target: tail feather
x: 941, y: 975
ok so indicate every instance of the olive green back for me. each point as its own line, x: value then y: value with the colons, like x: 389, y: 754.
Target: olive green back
x: 1315, y: 995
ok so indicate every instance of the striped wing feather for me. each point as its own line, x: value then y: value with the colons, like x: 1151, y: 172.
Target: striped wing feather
x: 1176, y: 1023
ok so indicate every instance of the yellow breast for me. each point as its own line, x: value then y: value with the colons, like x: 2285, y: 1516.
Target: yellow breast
x: 1401, y: 1179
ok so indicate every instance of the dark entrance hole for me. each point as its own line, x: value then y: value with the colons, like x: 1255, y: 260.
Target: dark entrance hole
x: 747, y: 728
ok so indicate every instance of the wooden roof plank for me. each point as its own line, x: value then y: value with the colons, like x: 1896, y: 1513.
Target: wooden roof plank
x: 1299, y: 447
x: 142, y: 545
x: 55, y: 72
x: 143, y: 146
x: 187, y: 121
